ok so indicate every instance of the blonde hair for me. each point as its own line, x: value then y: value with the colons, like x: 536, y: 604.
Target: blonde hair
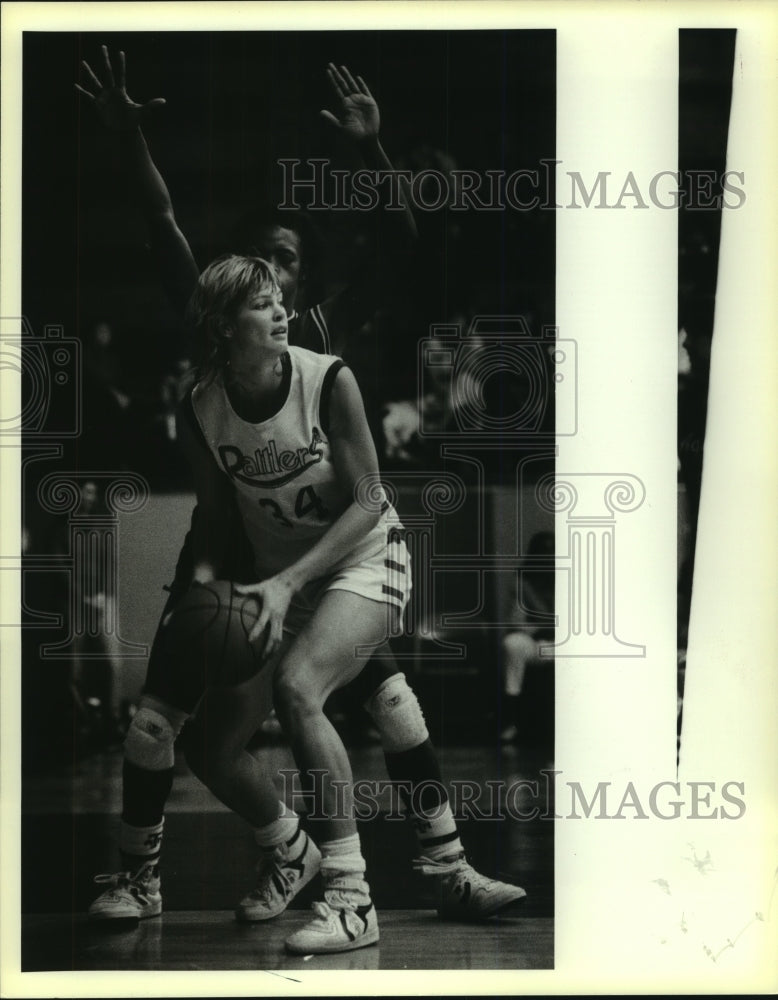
x: 221, y: 290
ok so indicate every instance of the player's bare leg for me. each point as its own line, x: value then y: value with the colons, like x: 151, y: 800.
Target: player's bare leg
x: 225, y: 721
x: 321, y: 660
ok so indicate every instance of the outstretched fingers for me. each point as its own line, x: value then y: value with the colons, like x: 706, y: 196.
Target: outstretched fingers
x: 85, y: 92
x: 337, y: 81
x: 107, y: 66
x: 122, y: 81
x: 344, y: 84
x: 364, y: 88
x: 88, y: 70
x: 350, y: 81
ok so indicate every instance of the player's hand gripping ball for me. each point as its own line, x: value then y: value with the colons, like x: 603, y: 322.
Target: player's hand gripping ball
x: 208, y: 634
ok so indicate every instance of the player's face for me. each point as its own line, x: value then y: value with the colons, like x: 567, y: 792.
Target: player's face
x: 260, y: 327
x: 282, y: 249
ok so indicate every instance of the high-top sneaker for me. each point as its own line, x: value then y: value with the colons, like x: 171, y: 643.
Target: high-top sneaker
x: 130, y: 896
x: 279, y: 881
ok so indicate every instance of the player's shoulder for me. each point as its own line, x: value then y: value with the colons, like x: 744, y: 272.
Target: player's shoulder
x: 202, y: 388
x: 318, y: 372
x: 313, y: 361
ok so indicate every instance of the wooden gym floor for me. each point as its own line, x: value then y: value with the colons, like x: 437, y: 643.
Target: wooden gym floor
x: 69, y: 826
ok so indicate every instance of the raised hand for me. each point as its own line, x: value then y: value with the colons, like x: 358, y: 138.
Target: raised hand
x: 356, y: 113
x: 114, y: 106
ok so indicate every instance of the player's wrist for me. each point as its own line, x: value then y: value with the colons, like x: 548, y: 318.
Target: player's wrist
x: 291, y: 579
x: 128, y: 128
x: 370, y: 147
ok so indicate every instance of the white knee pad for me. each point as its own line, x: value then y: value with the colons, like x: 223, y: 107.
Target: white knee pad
x: 150, y: 738
x: 521, y: 646
x: 396, y: 712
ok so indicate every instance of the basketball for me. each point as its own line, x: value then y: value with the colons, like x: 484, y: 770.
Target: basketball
x: 208, y: 634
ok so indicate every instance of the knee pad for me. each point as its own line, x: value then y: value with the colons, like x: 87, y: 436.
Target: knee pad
x: 396, y: 712
x: 150, y: 738
x: 520, y: 645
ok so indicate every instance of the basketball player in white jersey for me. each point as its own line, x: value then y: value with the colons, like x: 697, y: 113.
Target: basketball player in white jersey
x: 283, y: 431
x: 454, y: 886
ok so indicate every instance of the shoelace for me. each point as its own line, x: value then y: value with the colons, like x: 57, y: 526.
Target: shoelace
x: 264, y: 891
x: 115, y: 879
x: 322, y: 911
x: 339, y: 899
x: 121, y: 880
x: 456, y: 871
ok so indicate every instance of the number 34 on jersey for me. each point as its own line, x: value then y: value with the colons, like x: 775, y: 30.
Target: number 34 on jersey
x: 307, y: 503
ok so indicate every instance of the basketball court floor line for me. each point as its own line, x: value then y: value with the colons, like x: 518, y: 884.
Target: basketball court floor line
x: 213, y: 940
x: 69, y: 829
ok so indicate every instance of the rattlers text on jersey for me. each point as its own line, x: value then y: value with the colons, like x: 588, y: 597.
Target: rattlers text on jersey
x: 281, y: 469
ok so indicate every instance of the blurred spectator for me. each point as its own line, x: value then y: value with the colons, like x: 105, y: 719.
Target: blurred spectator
x: 534, y: 596
x: 95, y: 667
x: 161, y: 459
x: 413, y: 428
x: 466, y: 387
x: 401, y: 431
x: 102, y: 362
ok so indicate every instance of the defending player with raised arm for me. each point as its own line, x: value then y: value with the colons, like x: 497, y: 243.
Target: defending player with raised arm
x: 120, y: 114
x: 279, y: 237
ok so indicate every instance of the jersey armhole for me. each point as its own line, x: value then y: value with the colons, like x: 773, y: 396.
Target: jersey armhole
x: 326, y: 394
x: 186, y: 409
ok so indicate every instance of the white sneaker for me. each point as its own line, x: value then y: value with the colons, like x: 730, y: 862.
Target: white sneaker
x: 279, y: 882
x: 335, y: 930
x: 460, y: 893
x: 129, y: 897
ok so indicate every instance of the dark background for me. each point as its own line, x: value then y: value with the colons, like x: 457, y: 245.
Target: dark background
x: 236, y: 103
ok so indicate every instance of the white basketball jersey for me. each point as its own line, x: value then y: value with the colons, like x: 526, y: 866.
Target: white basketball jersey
x: 281, y: 468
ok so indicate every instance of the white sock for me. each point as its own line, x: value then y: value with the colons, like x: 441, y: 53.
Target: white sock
x: 283, y: 832
x: 343, y: 869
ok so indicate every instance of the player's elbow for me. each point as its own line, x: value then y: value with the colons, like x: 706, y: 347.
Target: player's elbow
x: 366, y: 518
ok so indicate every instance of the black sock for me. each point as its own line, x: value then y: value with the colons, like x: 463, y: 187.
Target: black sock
x: 144, y: 794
